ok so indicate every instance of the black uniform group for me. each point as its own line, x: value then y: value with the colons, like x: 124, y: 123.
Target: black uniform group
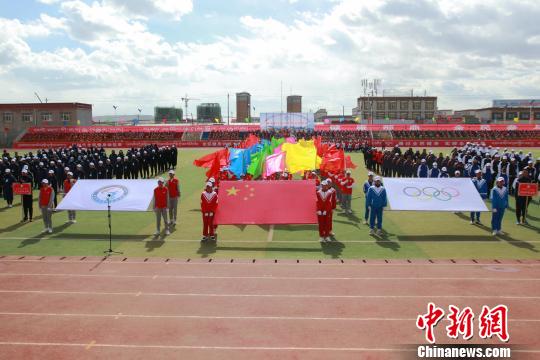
x: 84, y: 163
x: 472, y: 160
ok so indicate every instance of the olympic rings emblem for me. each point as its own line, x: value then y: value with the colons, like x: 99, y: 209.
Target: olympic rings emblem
x: 429, y: 192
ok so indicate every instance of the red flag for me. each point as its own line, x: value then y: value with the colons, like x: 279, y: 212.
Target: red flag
x: 208, y: 160
x: 214, y: 169
x: 250, y: 141
x: 349, y: 163
x: 267, y: 202
x: 333, y: 160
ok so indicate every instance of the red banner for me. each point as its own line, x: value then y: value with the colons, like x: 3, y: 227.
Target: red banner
x: 22, y: 189
x: 527, y: 189
x: 144, y: 129
x: 255, y: 127
x: 267, y: 202
x: 455, y: 143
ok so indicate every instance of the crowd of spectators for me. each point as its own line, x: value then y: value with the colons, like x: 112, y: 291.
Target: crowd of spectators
x: 100, y: 137
x: 469, y: 135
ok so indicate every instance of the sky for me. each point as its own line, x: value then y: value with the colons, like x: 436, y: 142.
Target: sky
x: 145, y: 53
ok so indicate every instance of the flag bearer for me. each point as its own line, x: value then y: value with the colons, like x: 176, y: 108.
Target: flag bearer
x: 27, y: 200
x: 7, y: 183
x: 333, y: 202
x: 68, y: 184
x: 499, y: 203
x: 434, y: 172
x: 174, y: 195
x: 367, y: 185
x: 347, y: 185
x: 324, y: 209
x: 161, y: 198
x: 376, y: 201
x: 209, y: 201
x: 46, y: 204
x: 481, y: 185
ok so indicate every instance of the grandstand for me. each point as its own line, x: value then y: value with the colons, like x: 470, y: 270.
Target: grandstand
x: 353, y: 136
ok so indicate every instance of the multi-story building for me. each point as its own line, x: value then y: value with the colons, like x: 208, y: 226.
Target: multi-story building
x: 396, y: 107
x: 16, y: 118
x: 294, y: 104
x: 243, y: 106
x: 527, y: 110
x: 167, y: 115
x: 209, y: 112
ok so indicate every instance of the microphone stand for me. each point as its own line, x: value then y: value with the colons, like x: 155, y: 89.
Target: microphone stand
x: 110, y: 251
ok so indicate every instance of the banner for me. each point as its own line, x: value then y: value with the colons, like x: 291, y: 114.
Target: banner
x: 22, y: 189
x: 267, y: 202
x: 144, y: 129
x: 287, y: 120
x: 125, y: 195
x: 527, y: 189
x: 427, y: 194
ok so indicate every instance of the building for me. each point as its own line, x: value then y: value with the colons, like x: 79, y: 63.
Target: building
x: 167, y: 115
x: 320, y: 115
x: 527, y: 110
x: 209, y: 112
x: 16, y: 118
x: 294, y: 104
x: 243, y: 106
x: 417, y: 108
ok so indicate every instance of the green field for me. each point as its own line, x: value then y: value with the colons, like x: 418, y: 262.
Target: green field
x: 410, y: 235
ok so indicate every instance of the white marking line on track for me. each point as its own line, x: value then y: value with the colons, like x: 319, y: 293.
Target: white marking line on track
x: 89, y: 346
x: 270, y: 234
x: 211, y: 317
x: 347, y: 263
x: 237, y: 348
x: 314, y: 242
x: 190, y: 347
x: 308, y: 296
x: 201, y: 277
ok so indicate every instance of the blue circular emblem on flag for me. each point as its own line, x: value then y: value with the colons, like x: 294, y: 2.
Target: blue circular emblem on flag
x: 117, y: 192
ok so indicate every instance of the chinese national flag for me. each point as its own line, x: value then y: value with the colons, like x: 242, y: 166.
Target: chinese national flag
x: 267, y: 202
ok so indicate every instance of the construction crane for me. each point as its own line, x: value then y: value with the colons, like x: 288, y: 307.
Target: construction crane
x: 186, y: 100
x: 35, y: 93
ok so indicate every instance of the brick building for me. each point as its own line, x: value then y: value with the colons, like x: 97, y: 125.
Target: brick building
x: 294, y: 104
x: 15, y: 118
x: 243, y: 106
x: 396, y: 107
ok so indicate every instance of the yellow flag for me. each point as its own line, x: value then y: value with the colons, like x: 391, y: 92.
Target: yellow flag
x: 78, y: 122
x: 301, y: 156
x: 516, y: 119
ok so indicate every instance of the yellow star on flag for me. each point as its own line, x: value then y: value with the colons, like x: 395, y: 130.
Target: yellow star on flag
x: 232, y: 191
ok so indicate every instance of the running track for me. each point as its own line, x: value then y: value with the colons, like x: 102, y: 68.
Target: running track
x: 126, y: 308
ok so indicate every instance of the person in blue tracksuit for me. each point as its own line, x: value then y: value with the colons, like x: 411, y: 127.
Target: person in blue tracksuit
x: 423, y: 169
x: 376, y: 200
x: 499, y: 203
x: 444, y: 173
x: 367, y: 185
x: 481, y: 186
x: 434, y: 172
x: 488, y: 175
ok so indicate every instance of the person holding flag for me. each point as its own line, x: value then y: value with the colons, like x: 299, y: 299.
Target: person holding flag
x: 367, y: 185
x: 481, y: 186
x: 68, y: 184
x: 161, y: 199
x: 174, y: 196
x: 324, y: 210
x: 376, y: 201
x: 499, y: 203
x: 423, y: 169
x: 46, y: 204
x: 209, y: 201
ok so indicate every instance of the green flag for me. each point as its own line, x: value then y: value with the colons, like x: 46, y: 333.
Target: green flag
x: 257, y: 161
x: 274, y: 143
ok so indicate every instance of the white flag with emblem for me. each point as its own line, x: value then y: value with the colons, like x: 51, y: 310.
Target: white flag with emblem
x: 433, y: 194
x: 123, y: 195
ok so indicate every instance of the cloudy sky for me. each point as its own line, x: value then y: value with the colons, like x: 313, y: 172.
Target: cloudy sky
x: 143, y: 53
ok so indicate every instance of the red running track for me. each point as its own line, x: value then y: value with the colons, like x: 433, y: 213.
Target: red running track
x: 85, y: 308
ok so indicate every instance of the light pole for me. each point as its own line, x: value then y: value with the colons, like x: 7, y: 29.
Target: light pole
x: 139, y: 115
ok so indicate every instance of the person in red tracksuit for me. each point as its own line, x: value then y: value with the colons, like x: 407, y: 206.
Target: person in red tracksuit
x: 209, y: 201
x: 324, y: 212
x: 347, y: 184
x: 334, y: 202
x: 68, y: 184
x: 161, y: 202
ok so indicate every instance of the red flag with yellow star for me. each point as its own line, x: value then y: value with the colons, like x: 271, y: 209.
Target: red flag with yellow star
x: 266, y: 202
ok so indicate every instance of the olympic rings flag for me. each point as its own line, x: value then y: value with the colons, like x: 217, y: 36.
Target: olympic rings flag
x: 431, y: 194
x: 123, y: 195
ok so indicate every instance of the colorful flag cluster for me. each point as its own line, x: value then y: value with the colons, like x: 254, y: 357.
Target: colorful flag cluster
x: 263, y: 158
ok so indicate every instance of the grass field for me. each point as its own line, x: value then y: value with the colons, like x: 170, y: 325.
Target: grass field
x: 410, y: 235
